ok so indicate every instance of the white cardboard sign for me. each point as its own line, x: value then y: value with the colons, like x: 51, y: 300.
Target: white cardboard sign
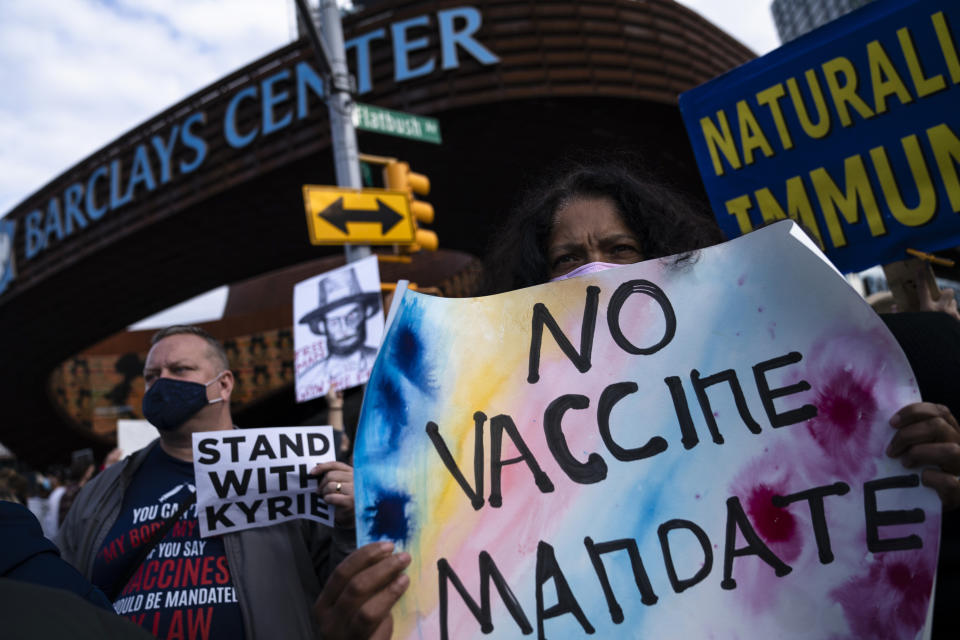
x: 668, y: 449
x: 250, y: 478
x: 133, y: 435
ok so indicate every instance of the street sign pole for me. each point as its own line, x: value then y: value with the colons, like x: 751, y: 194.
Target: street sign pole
x: 339, y: 103
x: 340, y: 110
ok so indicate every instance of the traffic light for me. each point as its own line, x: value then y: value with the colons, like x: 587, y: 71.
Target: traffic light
x: 397, y: 175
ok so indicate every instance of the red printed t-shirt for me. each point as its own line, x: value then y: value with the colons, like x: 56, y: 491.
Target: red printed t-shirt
x: 183, y: 589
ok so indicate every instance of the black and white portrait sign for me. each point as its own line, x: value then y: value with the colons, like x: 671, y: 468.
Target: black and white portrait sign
x: 338, y: 325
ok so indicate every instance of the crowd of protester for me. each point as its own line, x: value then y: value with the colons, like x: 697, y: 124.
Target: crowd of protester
x: 48, y: 493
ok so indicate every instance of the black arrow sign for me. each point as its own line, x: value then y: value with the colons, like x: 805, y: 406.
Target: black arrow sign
x: 336, y: 215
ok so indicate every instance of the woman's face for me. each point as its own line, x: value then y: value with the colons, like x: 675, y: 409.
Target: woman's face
x: 589, y: 229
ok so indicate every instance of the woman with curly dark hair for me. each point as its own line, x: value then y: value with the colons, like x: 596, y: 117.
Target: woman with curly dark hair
x: 594, y: 214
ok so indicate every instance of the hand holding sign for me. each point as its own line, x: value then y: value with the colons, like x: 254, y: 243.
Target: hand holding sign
x: 356, y: 600
x: 336, y: 487
x: 928, y: 436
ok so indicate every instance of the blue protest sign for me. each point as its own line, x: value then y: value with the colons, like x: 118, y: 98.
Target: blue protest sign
x: 853, y: 130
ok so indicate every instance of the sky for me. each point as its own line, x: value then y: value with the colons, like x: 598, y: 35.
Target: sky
x: 77, y: 74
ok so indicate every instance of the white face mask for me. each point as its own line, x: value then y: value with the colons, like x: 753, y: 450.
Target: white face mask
x: 584, y: 269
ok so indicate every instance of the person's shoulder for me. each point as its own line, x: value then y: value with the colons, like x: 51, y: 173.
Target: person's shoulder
x: 22, y: 536
x: 14, y: 513
x: 18, y: 520
x: 110, y: 478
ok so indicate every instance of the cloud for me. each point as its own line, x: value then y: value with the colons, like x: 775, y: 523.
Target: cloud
x: 80, y: 73
x: 749, y: 21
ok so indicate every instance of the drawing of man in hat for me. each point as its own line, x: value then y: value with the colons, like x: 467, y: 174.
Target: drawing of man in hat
x: 341, y: 317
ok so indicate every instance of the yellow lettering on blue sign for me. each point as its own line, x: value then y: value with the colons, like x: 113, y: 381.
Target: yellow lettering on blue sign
x: 770, y: 98
x: 923, y: 85
x: 927, y: 196
x: 946, y: 152
x: 729, y: 149
x: 947, y: 46
x: 884, y: 78
x: 821, y: 127
x: 720, y: 140
x: 751, y: 135
x: 846, y: 92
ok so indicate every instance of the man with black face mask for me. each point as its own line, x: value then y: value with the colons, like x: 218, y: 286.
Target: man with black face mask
x: 133, y: 531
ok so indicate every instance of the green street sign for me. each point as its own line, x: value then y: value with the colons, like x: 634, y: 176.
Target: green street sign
x: 396, y: 123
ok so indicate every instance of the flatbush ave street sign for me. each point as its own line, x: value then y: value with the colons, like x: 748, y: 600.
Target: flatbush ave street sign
x: 337, y: 215
x: 396, y: 123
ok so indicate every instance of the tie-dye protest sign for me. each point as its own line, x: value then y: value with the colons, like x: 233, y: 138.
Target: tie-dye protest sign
x: 673, y: 449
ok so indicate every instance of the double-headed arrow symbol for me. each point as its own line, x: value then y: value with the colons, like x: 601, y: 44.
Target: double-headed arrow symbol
x: 338, y: 216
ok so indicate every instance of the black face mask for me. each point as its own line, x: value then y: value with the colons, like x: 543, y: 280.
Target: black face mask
x: 169, y: 403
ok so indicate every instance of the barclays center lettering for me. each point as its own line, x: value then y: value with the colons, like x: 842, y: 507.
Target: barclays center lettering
x: 276, y: 102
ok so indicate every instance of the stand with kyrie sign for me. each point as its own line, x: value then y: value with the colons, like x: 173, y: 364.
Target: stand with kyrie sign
x: 257, y: 477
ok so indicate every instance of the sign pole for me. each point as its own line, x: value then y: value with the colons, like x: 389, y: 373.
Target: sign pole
x: 340, y: 104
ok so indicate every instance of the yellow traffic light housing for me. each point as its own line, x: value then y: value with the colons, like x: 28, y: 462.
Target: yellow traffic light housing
x: 397, y: 175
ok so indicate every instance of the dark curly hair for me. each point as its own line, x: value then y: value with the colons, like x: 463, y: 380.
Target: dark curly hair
x: 664, y: 221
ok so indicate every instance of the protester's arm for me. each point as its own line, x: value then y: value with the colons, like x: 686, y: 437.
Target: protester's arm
x: 928, y: 436
x: 355, y: 602
x: 945, y: 302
